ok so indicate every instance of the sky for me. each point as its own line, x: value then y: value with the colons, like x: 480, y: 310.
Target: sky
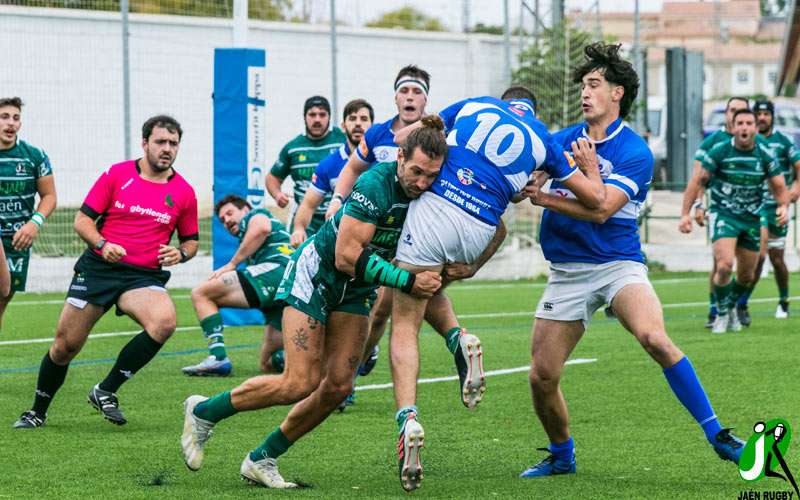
x: 450, y: 12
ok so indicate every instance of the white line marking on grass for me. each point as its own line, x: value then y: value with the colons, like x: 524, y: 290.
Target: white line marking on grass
x: 489, y: 286
x: 462, y: 316
x: 91, y: 336
x: 491, y: 373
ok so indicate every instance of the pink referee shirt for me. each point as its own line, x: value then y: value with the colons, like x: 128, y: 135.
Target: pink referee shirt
x: 140, y: 215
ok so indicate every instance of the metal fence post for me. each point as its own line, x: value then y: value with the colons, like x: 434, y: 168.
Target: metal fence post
x: 126, y: 79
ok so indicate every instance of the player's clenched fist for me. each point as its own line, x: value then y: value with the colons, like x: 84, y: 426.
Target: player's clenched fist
x: 297, y: 238
x: 113, y: 252
x: 426, y: 284
x: 685, y: 225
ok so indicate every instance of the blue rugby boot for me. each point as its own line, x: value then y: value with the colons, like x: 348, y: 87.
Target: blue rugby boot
x: 366, y: 367
x: 550, y: 466
x: 728, y: 446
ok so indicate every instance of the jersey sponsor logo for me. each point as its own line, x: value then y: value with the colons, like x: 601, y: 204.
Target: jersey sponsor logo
x: 119, y: 205
x: 314, y: 178
x: 363, y: 148
x: 161, y: 217
x: 465, y: 176
x: 11, y: 206
x: 21, y: 168
x: 360, y: 198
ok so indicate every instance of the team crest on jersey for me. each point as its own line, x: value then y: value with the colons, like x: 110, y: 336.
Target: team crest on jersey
x: 20, y: 168
x: 168, y: 201
x: 465, y: 176
x: 382, y: 155
x: 314, y: 178
x: 301, y: 158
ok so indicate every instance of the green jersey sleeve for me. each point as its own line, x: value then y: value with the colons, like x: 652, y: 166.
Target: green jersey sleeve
x: 282, y: 167
x: 709, y: 160
x: 366, y: 202
x: 771, y: 166
x: 792, y: 153
x: 43, y: 169
x: 705, y: 146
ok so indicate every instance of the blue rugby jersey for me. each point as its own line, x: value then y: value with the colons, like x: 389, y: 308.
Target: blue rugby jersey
x: 494, y: 146
x: 626, y: 163
x: 377, y: 145
x: 327, y: 171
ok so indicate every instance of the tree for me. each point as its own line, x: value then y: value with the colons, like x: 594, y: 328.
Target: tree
x: 407, y: 18
x: 545, y: 67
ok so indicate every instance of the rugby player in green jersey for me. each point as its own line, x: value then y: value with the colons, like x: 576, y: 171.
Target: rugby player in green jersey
x: 773, y: 235
x: 724, y: 134
x: 264, y: 249
x: 734, y: 172
x: 25, y: 171
x: 300, y: 156
x: 328, y: 289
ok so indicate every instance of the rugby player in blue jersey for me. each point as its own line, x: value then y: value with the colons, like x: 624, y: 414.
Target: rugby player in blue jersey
x: 596, y: 259
x: 494, y: 146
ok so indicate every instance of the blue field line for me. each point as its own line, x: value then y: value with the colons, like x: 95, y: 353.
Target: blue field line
x: 109, y: 361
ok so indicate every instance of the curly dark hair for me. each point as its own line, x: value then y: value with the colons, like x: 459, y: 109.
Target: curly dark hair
x: 617, y: 71
x: 236, y: 201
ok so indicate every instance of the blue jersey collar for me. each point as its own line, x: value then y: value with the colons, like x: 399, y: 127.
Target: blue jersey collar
x: 613, y: 129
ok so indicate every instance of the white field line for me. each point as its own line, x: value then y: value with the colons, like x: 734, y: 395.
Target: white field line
x: 461, y: 316
x: 456, y: 288
x: 491, y: 373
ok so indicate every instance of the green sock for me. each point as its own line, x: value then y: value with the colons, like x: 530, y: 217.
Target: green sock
x: 274, y: 446
x: 712, y: 302
x: 451, y: 339
x: 277, y: 360
x: 737, y: 291
x: 216, y: 408
x: 401, y: 415
x: 723, y: 293
x: 212, y: 330
x: 784, y: 294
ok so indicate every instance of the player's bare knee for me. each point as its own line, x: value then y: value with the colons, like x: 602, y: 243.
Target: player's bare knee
x: 62, y: 351
x: 198, y: 295
x: 724, y: 269
x: 162, y: 329
x: 543, y: 380
x: 335, y: 391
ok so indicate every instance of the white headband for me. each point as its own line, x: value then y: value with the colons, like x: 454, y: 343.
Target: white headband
x: 412, y: 82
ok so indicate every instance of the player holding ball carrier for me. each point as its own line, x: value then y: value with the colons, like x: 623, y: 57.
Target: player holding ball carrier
x: 127, y: 220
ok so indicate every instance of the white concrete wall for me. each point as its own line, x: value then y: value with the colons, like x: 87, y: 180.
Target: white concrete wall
x: 66, y: 65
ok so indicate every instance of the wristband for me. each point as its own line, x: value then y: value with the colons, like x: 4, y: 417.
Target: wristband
x: 372, y: 268
x: 37, y: 218
x: 338, y: 197
x: 698, y: 204
x: 184, y: 255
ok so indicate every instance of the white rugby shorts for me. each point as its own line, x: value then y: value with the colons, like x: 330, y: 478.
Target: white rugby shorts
x: 436, y: 232
x: 576, y: 290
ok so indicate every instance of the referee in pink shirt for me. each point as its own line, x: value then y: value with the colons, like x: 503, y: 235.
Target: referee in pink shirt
x: 127, y: 220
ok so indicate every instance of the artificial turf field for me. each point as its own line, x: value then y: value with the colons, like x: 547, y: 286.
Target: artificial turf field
x: 633, y: 439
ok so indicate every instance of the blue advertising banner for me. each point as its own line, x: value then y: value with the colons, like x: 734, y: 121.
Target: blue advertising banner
x: 239, y: 163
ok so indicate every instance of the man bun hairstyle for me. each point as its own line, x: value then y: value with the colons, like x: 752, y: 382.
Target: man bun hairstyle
x: 235, y: 200
x: 617, y: 71
x: 429, y: 138
x: 161, y: 121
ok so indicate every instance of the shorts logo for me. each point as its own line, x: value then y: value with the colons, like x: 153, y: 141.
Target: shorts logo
x: 465, y: 176
x: 547, y: 306
x: 407, y: 239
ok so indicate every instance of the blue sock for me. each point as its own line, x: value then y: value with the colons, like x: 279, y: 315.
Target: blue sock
x: 564, y: 452
x: 687, y: 388
x: 744, y: 297
x: 712, y: 304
